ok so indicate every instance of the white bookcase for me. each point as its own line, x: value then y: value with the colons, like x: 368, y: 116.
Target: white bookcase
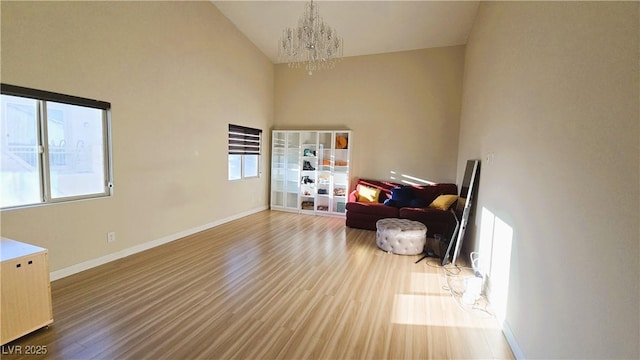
x: 310, y: 171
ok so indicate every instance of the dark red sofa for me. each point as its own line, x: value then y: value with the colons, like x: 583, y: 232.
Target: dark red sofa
x: 363, y: 215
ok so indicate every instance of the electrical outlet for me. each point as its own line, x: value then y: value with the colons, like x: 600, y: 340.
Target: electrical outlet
x: 111, y: 236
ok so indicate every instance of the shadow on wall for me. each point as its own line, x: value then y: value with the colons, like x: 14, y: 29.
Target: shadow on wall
x: 496, y: 237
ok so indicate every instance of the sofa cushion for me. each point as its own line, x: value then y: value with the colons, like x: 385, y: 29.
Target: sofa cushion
x: 425, y: 215
x: 428, y: 193
x: 368, y: 194
x: 371, y: 209
x: 417, y: 203
x: 410, y: 203
x: 363, y: 221
x: 443, y: 202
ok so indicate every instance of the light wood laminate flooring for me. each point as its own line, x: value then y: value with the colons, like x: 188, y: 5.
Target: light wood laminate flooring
x: 270, y: 285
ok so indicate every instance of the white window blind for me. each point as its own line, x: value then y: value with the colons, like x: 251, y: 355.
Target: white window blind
x: 244, y: 140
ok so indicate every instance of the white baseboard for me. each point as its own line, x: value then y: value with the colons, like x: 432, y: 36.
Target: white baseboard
x: 511, y: 340
x: 73, y: 269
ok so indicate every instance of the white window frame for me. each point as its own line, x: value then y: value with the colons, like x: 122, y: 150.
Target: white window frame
x: 42, y: 98
x: 244, y: 141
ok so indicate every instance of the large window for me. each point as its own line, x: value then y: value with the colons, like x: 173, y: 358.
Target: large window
x: 54, y: 147
x: 244, y: 152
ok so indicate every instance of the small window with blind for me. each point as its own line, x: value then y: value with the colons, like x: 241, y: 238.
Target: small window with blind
x: 244, y: 152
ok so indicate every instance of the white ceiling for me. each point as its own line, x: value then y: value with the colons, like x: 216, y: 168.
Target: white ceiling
x: 367, y: 27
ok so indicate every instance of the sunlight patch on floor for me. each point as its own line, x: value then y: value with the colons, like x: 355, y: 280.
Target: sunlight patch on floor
x: 411, y: 309
x: 425, y: 283
x: 435, y: 299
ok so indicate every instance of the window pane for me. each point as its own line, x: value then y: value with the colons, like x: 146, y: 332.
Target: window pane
x: 19, y: 161
x: 250, y: 166
x: 235, y: 163
x: 76, y: 150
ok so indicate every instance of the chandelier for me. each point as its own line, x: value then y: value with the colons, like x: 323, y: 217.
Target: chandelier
x: 312, y: 43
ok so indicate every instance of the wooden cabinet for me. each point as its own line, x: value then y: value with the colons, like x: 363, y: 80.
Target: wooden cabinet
x: 310, y: 171
x: 25, y: 292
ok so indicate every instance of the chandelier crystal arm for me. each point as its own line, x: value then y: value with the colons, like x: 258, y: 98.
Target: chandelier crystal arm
x: 312, y: 43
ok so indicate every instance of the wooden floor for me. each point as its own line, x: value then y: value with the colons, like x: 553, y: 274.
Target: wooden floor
x: 270, y: 285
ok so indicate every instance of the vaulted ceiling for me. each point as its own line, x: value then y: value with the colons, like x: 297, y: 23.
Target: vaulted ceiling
x: 367, y: 27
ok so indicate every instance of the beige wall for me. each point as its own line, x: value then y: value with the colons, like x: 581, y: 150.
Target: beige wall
x: 552, y: 91
x: 403, y: 108
x: 176, y: 73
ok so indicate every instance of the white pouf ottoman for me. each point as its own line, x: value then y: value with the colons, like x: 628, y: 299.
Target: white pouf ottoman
x: 401, y: 236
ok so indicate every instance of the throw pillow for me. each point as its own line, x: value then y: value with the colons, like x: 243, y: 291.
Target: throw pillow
x: 368, y: 194
x: 417, y: 203
x: 443, y: 202
x: 402, y: 196
x: 391, y: 202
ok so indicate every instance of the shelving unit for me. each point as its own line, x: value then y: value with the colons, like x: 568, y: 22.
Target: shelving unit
x: 310, y: 171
